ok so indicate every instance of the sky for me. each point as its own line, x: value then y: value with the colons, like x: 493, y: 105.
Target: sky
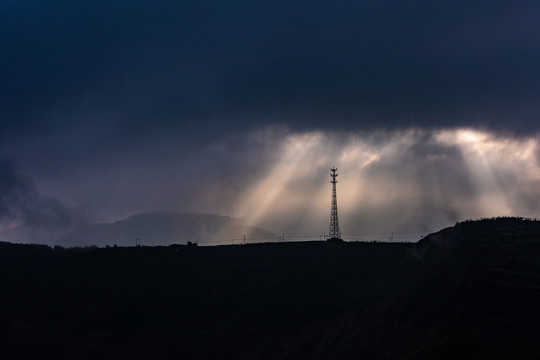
x: 429, y: 109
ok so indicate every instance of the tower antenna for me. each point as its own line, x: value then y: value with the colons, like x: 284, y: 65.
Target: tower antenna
x: 334, y: 234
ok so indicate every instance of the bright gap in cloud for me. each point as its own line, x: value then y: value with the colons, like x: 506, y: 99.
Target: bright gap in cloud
x: 406, y: 182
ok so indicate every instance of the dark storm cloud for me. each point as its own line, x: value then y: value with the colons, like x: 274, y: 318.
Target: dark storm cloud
x: 229, y: 65
x: 20, y: 203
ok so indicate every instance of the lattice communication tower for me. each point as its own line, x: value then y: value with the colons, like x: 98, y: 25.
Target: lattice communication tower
x: 334, y: 233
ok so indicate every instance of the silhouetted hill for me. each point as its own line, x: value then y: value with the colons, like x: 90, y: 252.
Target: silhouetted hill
x: 469, y: 291
x: 149, y: 229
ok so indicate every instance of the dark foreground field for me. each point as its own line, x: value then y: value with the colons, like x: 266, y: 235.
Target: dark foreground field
x: 471, y: 291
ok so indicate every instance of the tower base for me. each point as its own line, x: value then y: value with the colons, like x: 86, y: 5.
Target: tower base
x: 334, y: 240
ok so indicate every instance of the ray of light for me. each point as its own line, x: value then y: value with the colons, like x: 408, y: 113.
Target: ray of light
x: 498, y: 166
x: 394, y: 181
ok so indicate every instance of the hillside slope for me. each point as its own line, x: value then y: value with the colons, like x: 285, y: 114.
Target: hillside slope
x: 470, y: 291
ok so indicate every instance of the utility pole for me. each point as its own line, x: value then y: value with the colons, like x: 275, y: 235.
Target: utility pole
x: 334, y: 233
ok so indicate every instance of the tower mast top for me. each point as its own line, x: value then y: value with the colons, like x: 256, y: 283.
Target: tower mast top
x: 334, y: 175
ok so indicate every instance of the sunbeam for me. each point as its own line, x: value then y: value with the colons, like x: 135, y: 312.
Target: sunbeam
x: 408, y: 181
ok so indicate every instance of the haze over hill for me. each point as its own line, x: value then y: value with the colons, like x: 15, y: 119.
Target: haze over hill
x: 161, y: 228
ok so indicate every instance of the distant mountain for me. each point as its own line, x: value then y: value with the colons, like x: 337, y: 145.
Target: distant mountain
x: 160, y: 228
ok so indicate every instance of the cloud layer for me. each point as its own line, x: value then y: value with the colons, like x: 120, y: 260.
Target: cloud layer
x: 323, y: 65
x: 428, y: 108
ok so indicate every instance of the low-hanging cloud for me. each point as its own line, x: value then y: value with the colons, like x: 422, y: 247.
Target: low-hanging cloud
x: 409, y: 182
x: 20, y: 203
